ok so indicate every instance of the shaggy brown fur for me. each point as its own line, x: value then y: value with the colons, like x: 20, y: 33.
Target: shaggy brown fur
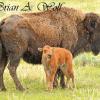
x: 21, y: 35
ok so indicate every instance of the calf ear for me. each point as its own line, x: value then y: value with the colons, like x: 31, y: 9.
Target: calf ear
x: 40, y: 49
x: 90, y: 22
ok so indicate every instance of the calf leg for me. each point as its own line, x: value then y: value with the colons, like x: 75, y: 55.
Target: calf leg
x: 12, y: 70
x: 50, y: 74
x: 73, y: 80
x: 68, y: 72
x: 70, y: 76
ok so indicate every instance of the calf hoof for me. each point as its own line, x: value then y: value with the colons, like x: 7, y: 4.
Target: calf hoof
x: 49, y: 90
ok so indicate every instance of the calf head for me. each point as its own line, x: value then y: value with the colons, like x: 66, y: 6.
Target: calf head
x: 47, y: 51
x: 92, y: 25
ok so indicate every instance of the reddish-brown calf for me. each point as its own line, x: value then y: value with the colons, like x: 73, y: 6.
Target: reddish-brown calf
x: 54, y: 58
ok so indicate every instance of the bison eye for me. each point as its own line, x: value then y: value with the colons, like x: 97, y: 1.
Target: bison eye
x: 93, y: 24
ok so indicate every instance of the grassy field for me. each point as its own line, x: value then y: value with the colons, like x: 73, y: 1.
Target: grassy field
x: 87, y: 67
x: 33, y: 78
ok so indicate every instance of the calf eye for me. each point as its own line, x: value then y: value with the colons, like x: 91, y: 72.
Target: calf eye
x: 93, y: 24
x: 45, y: 51
x: 49, y: 56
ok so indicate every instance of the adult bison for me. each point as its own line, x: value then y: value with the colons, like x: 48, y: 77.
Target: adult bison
x: 21, y: 35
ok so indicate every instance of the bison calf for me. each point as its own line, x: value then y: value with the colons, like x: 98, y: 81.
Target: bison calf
x: 54, y: 58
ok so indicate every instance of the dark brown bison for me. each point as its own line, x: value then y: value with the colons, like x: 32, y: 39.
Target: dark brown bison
x: 21, y: 35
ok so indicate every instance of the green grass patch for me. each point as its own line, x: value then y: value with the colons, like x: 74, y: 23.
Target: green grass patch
x: 33, y: 79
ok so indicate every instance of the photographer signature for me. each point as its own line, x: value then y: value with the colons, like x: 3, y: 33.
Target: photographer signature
x: 42, y: 6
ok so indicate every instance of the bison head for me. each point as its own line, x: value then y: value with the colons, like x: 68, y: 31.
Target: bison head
x: 92, y: 25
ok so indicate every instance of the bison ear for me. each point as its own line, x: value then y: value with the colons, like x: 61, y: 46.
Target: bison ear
x: 40, y: 49
x: 90, y: 22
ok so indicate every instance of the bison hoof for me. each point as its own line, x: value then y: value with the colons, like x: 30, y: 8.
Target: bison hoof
x: 3, y: 89
x: 55, y: 86
x: 21, y: 89
x: 64, y: 86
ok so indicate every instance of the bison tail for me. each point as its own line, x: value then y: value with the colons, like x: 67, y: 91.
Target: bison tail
x: 2, y: 48
x: 3, y: 54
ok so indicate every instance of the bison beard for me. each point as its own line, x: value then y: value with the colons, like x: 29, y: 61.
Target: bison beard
x: 21, y: 35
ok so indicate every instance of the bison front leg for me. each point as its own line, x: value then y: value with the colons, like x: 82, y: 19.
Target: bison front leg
x: 62, y: 80
x: 55, y: 83
x: 59, y: 74
x: 13, y: 64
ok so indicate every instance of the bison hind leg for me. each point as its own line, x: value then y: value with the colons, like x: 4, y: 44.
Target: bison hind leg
x: 12, y: 66
x: 3, y: 63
